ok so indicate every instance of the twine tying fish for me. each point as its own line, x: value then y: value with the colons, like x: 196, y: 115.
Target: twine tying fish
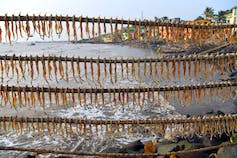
x: 214, y: 125
x: 169, y: 68
x: 45, y: 26
x: 27, y: 96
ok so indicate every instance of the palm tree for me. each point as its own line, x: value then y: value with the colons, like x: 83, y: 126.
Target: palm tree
x: 199, y: 18
x: 221, y: 16
x: 208, y: 13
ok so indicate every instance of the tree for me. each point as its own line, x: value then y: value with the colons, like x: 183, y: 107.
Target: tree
x: 164, y: 18
x: 208, y: 13
x: 199, y: 18
x: 221, y: 16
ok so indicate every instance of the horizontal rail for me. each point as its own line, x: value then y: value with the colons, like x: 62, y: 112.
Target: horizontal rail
x: 118, y: 90
x: 112, y: 20
x: 193, y: 119
x: 103, y: 154
x: 193, y: 57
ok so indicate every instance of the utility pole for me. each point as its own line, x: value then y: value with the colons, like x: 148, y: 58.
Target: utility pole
x: 142, y: 15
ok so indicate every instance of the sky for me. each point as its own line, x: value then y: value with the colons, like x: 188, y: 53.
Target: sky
x: 186, y: 9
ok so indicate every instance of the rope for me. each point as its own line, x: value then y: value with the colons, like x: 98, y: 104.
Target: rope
x: 111, y: 20
x: 208, y: 85
x: 177, y: 58
x: 101, y: 154
x: 176, y: 121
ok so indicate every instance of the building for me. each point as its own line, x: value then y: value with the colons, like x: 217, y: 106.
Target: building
x: 231, y: 17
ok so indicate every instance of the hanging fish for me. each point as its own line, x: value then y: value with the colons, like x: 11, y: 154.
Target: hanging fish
x: 78, y: 69
x: 74, y: 28
x: 31, y: 68
x: 98, y: 69
x: 7, y: 29
x: 27, y: 27
x: 12, y: 26
x: 99, y: 27
x: 12, y: 65
x: 92, y: 69
x: 73, y: 69
x: 87, y: 28
x: 33, y: 23
x: 44, y: 68
x: 81, y: 28
x: 110, y: 71
x: 0, y: 35
x: 50, y: 25
x: 104, y: 25
x: 19, y: 24
x: 49, y: 67
x: 55, y: 68
x: 66, y: 69
x: 61, y: 69
x: 36, y: 65
x: 111, y: 28
x: 105, y: 69
x: 93, y: 27
x: 68, y: 28
x: 85, y: 67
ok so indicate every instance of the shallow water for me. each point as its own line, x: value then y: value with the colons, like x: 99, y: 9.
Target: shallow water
x: 102, y: 141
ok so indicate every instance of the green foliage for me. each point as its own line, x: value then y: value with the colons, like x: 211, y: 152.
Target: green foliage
x: 199, y: 18
x: 208, y: 13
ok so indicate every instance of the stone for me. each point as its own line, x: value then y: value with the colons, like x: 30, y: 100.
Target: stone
x: 134, y: 147
x: 227, y: 152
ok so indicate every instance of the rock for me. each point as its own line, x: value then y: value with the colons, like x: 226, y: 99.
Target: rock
x: 150, y: 147
x: 30, y: 156
x: 227, y: 152
x: 182, y: 145
x: 208, y: 141
x: 133, y: 147
x: 112, y: 150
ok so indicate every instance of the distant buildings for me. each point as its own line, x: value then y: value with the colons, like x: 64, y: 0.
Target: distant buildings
x: 231, y: 16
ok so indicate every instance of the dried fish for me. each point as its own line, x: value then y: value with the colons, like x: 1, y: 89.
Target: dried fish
x: 85, y: 68
x: 99, y: 28
x: 73, y: 69
x: 111, y: 28
x: 78, y: 69
x: 44, y: 68
x: 60, y: 67
x: 133, y: 70
x: 104, y: 26
x: 81, y: 27
x: 98, y: 70
x: 68, y: 28
x: 92, y: 69
x: 105, y: 69
x: 0, y: 35
x: 151, y: 73
x: 74, y: 28
x: 87, y: 28
x: 66, y: 69
x: 12, y: 26
x: 110, y: 71
x: 93, y: 27
x: 55, y: 68
x: 167, y: 70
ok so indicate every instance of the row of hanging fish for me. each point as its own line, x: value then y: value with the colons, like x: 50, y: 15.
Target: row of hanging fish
x: 78, y: 27
x: 19, y: 97
x: 56, y: 68
x: 202, y: 125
